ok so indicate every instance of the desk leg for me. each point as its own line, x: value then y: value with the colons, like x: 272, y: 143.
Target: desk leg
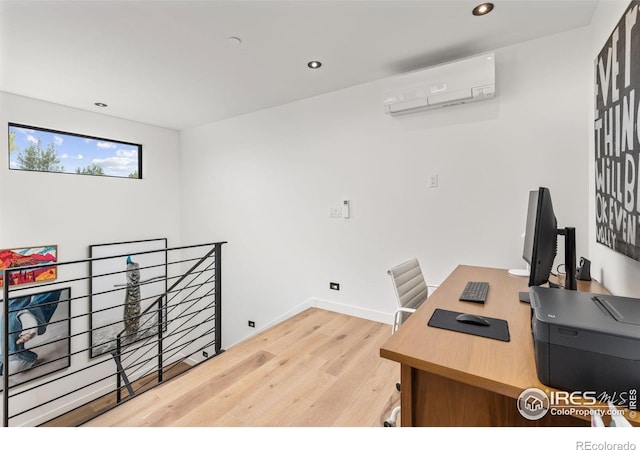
x: 406, y: 396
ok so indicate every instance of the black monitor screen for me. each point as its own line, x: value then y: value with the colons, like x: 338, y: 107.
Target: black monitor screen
x: 530, y: 227
x: 544, y: 239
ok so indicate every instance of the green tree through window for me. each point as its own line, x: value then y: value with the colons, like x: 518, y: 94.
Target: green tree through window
x: 12, y: 141
x: 90, y: 170
x: 34, y: 158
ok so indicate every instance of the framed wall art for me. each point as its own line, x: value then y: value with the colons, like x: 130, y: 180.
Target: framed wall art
x: 617, y: 137
x: 40, y: 343
x: 125, y: 279
x: 29, y: 256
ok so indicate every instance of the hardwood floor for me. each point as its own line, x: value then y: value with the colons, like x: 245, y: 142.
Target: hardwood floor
x: 81, y: 414
x: 317, y: 369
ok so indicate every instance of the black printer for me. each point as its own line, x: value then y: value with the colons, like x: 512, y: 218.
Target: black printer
x: 586, y: 342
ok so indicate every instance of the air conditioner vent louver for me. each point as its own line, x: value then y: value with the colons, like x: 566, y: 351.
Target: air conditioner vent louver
x: 455, y: 83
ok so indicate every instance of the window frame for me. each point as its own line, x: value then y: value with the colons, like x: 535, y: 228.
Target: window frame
x: 76, y: 135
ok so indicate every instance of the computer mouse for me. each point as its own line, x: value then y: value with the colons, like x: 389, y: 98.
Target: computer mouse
x: 473, y: 319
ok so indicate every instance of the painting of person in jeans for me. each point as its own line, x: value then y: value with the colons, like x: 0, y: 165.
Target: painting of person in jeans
x: 28, y: 316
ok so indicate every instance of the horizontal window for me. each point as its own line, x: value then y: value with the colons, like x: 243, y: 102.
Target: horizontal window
x: 42, y: 150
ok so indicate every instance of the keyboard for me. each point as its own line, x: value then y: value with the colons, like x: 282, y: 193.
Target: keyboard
x: 475, y: 291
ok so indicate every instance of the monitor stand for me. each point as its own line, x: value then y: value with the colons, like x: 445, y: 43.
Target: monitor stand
x: 519, y: 272
x: 524, y: 296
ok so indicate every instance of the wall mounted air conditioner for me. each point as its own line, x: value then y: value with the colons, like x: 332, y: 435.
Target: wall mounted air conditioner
x: 454, y: 83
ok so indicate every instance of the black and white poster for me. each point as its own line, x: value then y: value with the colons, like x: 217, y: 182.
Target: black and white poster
x: 617, y: 136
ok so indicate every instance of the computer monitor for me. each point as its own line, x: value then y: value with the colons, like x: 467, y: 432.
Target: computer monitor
x: 527, y: 252
x: 541, y: 241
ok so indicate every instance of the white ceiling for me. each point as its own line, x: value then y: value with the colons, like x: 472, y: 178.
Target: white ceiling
x: 171, y: 64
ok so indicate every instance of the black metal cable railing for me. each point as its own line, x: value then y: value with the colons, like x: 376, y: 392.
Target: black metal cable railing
x: 60, y: 352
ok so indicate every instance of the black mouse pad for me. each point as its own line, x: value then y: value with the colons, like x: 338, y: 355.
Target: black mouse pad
x: 497, y: 329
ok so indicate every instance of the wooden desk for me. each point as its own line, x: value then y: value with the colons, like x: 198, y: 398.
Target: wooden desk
x: 456, y: 379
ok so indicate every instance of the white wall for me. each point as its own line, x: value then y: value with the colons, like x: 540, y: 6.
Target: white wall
x: 74, y: 211
x: 265, y: 182
x: 619, y: 273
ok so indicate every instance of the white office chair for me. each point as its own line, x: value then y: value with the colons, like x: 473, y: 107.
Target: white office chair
x: 411, y: 291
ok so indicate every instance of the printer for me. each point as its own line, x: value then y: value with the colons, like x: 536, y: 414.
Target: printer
x: 586, y: 342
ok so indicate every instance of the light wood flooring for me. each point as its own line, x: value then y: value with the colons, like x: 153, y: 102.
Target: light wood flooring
x: 317, y: 369
x: 80, y: 415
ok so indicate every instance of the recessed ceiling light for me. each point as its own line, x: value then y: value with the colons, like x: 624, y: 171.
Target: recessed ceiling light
x: 101, y: 105
x: 235, y: 40
x: 314, y: 64
x: 482, y: 9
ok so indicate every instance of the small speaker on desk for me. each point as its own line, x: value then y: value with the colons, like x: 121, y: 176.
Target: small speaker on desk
x: 584, y: 270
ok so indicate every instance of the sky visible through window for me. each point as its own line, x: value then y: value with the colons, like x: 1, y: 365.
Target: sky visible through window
x: 51, y: 151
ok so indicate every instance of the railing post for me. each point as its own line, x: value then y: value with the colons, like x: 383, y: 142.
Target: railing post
x: 161, y: 303
x: 118, y: 368
x: 218, y: 298
x: 160, y: 341
x: 5, y: 348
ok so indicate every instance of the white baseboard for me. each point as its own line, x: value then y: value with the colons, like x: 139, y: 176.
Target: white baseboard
x: 314, y: 302
x: 363, y: 313
x: 292, y: 312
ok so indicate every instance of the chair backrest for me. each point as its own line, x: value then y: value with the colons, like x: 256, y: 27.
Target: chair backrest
x: 408, y: 282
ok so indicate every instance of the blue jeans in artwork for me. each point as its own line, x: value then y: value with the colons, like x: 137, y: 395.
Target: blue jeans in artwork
x: 42, y: 307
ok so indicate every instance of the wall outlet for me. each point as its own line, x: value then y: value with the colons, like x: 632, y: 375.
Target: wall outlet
x: 252, y: 324
x: 433, y: 180
x: 334, y: 286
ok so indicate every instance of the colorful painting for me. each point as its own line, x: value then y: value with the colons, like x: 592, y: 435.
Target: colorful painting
x: 31, y: 256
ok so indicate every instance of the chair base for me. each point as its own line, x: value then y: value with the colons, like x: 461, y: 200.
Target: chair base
x: 393, y: 418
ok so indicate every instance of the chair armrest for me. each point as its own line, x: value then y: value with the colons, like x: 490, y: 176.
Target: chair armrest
x: 396, y: 317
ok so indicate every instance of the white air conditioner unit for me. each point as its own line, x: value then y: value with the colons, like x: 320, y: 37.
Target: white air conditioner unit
x: 462, y: 81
